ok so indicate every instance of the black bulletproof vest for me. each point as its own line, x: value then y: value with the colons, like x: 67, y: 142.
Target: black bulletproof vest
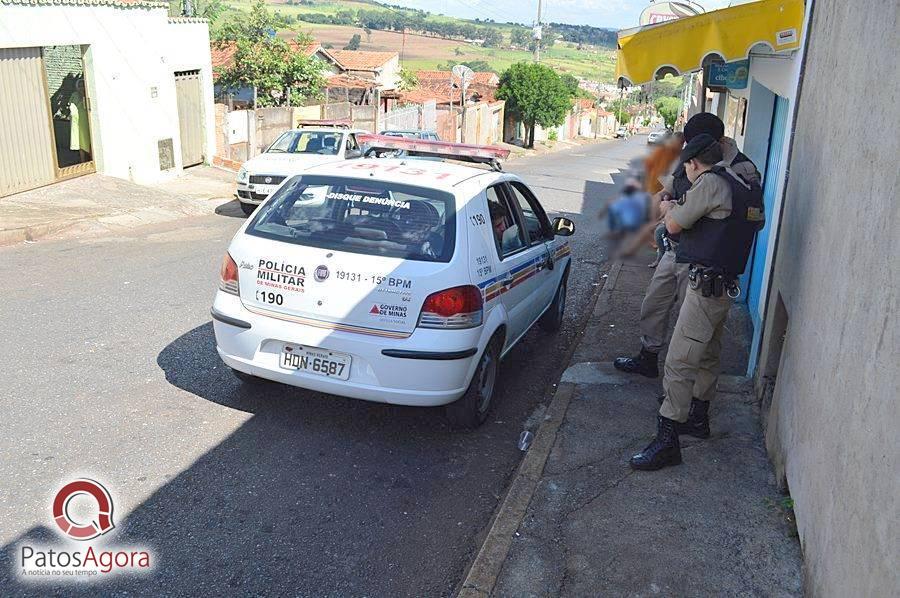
x: 725, y: 243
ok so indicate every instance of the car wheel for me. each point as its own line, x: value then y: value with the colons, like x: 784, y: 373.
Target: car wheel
x: 248, y: 208
x: 552, y: 320
x: 471, y: 410
x: 246, y: 378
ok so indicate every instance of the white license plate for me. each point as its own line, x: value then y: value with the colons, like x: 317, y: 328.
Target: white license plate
x: 263, y: 189
x: 316, y: 361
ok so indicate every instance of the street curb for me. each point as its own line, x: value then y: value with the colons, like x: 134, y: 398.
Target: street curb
x: 485, y: 569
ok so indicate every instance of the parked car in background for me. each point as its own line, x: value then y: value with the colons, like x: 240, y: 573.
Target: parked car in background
x: 413, y: 134
x: 656, y: 137
x: 407, y: 134
x: 622, y: 133
x: 294, y: 151
x: 393, y: 281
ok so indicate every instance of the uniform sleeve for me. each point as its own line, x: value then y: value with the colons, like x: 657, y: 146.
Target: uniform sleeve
x: 707, y: 195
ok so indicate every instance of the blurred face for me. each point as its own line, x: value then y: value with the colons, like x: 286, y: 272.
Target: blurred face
x: 499, y: 226
x: 676, y: 142
x: 692, y: 170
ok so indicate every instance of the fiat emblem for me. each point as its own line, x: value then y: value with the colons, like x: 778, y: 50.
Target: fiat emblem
x: 321, y: 273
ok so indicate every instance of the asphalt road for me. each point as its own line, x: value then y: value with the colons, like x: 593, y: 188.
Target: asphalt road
x: 110, y: 372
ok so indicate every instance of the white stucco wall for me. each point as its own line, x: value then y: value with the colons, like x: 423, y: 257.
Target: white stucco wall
x: 832, y: 425
x: 131, y: 50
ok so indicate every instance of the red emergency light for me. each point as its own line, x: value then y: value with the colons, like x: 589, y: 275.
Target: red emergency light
x: 482, y: 154
x: 341, y: 123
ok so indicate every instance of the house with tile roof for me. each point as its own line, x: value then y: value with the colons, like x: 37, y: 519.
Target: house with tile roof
x: 481, y: 77
x: 222, y: 54
x: 381, y: 67
x: 116, y: 87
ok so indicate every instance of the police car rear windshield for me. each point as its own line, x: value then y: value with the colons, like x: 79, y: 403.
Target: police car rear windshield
x: 360, y: 216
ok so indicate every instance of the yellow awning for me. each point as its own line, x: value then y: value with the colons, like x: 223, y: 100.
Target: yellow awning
x: 680, y: 46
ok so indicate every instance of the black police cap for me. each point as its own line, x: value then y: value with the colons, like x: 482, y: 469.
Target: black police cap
x: 704, y: 122
x: 698, y: 145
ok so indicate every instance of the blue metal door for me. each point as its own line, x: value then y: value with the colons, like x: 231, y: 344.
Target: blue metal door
x: 758, y: 263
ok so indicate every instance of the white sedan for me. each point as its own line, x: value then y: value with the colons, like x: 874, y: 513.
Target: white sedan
x: 393, y: 280
x: 292, y: 152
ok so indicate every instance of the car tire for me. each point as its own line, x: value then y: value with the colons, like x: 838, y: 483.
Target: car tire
x: 552, y: 320
x: 248, y: 208
x: 472, y: 409
x: 246, y: 378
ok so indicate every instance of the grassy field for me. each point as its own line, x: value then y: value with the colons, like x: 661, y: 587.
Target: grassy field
x: 426, y: 52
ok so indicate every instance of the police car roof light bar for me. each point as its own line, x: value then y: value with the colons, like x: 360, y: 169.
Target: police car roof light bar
x: 480, y: 154
x: 342, y: 123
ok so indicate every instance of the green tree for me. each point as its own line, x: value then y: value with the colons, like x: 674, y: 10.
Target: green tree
x: 536, y: 95
x: 668, y: 108
x: 368, y: 33
x: 268, y: 63
x: 354, y: 42
x: 492, y: 38
x: 408, y: 79
x: 258, y: 25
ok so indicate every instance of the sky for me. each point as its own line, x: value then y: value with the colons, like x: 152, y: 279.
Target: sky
x: 614, y: 14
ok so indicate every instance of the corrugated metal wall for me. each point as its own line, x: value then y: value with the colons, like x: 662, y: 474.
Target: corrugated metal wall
x: 26, y: 142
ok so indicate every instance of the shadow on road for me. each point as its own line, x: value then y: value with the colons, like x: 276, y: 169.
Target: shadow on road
x: 231, y: 209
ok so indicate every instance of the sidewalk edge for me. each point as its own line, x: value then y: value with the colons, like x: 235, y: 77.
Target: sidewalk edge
x: 488, y: 563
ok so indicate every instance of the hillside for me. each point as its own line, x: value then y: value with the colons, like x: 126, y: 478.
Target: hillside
x: 427, y: 51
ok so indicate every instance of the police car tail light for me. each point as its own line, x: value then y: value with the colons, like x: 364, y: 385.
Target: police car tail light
x: 228, y: 279
x: 459, y: 307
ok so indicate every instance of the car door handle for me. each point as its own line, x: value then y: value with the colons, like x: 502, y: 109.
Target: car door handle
x: 506, y: 281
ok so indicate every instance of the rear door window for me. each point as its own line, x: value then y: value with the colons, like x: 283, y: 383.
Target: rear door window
x: 508, y: 235
x: 360, y: 216
x: 535, y: 219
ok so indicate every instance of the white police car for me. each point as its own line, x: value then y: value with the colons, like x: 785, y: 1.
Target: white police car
x: 393, y: 280
x: 318, y: 142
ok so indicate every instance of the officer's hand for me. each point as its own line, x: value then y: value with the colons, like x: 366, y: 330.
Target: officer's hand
x: 665, y: 206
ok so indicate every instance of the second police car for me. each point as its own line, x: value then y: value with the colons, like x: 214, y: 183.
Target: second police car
x: 393, y: 280
x: 317, y: 142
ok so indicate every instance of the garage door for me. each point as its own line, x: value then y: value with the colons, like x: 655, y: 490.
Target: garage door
x: 26, y: 145
x: 190, y: 117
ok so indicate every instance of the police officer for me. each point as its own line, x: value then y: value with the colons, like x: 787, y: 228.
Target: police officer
x: 667, y: 287
x: 717, y: 222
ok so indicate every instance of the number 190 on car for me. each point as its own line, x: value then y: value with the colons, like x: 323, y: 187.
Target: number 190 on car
x: 313, y: 361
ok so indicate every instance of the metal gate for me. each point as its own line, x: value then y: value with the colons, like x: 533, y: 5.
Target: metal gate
x: 402, y: 119
x: 189, y: 95
x: 26, y: 143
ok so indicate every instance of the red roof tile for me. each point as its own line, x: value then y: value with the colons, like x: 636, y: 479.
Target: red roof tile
x: 222, y: 53
x: 483, y: 77
x: 356, y: 60
x: 349, y: 81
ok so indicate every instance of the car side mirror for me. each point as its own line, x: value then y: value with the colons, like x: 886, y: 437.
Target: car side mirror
x: 563, y: 227
x: 353, y: 153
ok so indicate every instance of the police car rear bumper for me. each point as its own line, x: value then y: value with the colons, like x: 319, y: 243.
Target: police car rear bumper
x: 405, y: 371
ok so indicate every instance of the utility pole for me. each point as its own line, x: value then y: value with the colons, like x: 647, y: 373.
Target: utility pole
x: 537, y: 35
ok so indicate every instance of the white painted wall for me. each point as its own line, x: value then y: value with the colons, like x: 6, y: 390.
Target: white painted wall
x: 130, y: 52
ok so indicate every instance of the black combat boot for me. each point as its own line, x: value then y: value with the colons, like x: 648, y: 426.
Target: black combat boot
x: 697, y: 424
x: 663, y: 451
x: 644, y: 363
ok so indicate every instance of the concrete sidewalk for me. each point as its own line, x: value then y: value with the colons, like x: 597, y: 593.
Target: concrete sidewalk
x: 590, y: 526
x: 94, y: 205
